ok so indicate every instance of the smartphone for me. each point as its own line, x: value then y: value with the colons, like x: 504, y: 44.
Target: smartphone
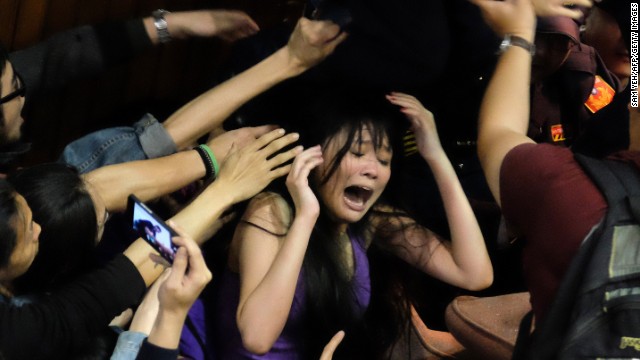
x: 147, y: 225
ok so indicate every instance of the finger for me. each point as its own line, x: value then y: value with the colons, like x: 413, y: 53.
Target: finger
x: 333, y: 43
x: 587, y: 3
x: 179, y: 266
x: 284, y: 157
x: 328, y: 31
x: 332, y: 345
x: 402, y: 102
x: 265, y: 139
x: 196, y: 260
x: 178, y: 229
x: 258, y: 131
x: 163, y: 277
x: 277, y: 144
x: 302, y: 161
x: 310, y: 165
x: 563, y: 11
x: 411, y: 113
x: 251, y: 23
x: 299, y: 162
x: 184, y: 240
x: 280, y: 171
x: 404, y: 96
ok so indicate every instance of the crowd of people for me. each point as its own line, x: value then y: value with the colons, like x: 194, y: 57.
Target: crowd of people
x: 294, y: 244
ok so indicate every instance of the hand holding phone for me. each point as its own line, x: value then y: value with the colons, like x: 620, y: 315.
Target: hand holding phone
x: 147, y: 225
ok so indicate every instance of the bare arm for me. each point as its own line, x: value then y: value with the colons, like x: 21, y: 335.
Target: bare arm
x: 270, y: 265
x: 246, y: 173
x: 465, y: 263
x: 309, y: 44
x: 504, y: 113
x: 188, y: 277
x: 147, y: 179
x: 228, y: 25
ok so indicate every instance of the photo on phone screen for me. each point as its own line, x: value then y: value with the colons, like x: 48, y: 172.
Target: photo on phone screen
x: 151, y: 228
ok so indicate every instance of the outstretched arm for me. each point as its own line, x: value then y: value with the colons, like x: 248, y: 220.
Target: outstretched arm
x: 229, y: 25
x: 504, y: 113
x: 92, y: 49
x: 152, y: 178
x: 247, y: 172
x: 244, y: 174
x: 309, y: 44
x: 465, y: 263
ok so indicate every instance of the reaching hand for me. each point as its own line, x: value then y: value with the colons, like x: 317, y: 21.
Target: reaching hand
x: 225, y: 24
x: 330, y: 348
x: 558, y: 8
x: 221, y: 144
x: 188, y: 276
x: 423, y: 124
x: 515, y: 17
x: 312, y: 41
x: 304, y: 199
x: 249, y: 170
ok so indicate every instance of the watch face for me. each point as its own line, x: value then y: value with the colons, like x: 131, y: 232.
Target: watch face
x: 504, y: 44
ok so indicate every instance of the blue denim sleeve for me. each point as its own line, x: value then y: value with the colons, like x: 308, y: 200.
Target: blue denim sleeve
x: 146, y: 139
x: 128, y: 345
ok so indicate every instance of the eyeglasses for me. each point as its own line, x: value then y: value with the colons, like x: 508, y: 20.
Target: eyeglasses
x: 20, y: 90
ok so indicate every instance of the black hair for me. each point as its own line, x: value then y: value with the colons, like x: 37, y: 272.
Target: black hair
x: 8, y: 211
x: 4, y: 57
x: 63, y: 207
x: 319, y: 117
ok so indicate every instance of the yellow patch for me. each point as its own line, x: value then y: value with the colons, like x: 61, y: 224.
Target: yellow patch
x: 626, y: 341
x: 557, y: 133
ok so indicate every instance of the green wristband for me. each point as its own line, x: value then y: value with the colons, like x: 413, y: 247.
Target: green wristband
x: 214, y: 161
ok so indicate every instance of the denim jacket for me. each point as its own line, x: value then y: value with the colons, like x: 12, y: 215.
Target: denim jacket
x: 146, y: 139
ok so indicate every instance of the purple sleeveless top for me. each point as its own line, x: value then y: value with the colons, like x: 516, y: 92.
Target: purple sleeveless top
x: 287, y: 346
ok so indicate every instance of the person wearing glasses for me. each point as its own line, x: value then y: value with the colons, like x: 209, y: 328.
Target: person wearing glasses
x: 62, y: 324
x: 89, y: 50
x: 11, y: 103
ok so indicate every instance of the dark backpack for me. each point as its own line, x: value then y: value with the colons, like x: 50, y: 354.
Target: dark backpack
x: 596, y: 311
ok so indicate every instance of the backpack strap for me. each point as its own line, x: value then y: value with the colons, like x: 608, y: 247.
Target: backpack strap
x: 619, y: 182
x: 523, y: 339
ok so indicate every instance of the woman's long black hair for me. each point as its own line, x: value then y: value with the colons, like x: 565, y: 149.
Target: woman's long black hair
x: 319, y: 115
x: 330, y: 297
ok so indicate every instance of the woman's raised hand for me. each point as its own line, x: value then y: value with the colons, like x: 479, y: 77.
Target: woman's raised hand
x: 422, y: 122
x: 304, y: 199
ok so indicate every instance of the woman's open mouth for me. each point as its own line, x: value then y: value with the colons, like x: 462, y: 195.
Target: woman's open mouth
x: 357, y: 196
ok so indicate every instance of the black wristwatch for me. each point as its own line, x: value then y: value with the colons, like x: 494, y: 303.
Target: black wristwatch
x: 161, y: 25
x: 512, y: 40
